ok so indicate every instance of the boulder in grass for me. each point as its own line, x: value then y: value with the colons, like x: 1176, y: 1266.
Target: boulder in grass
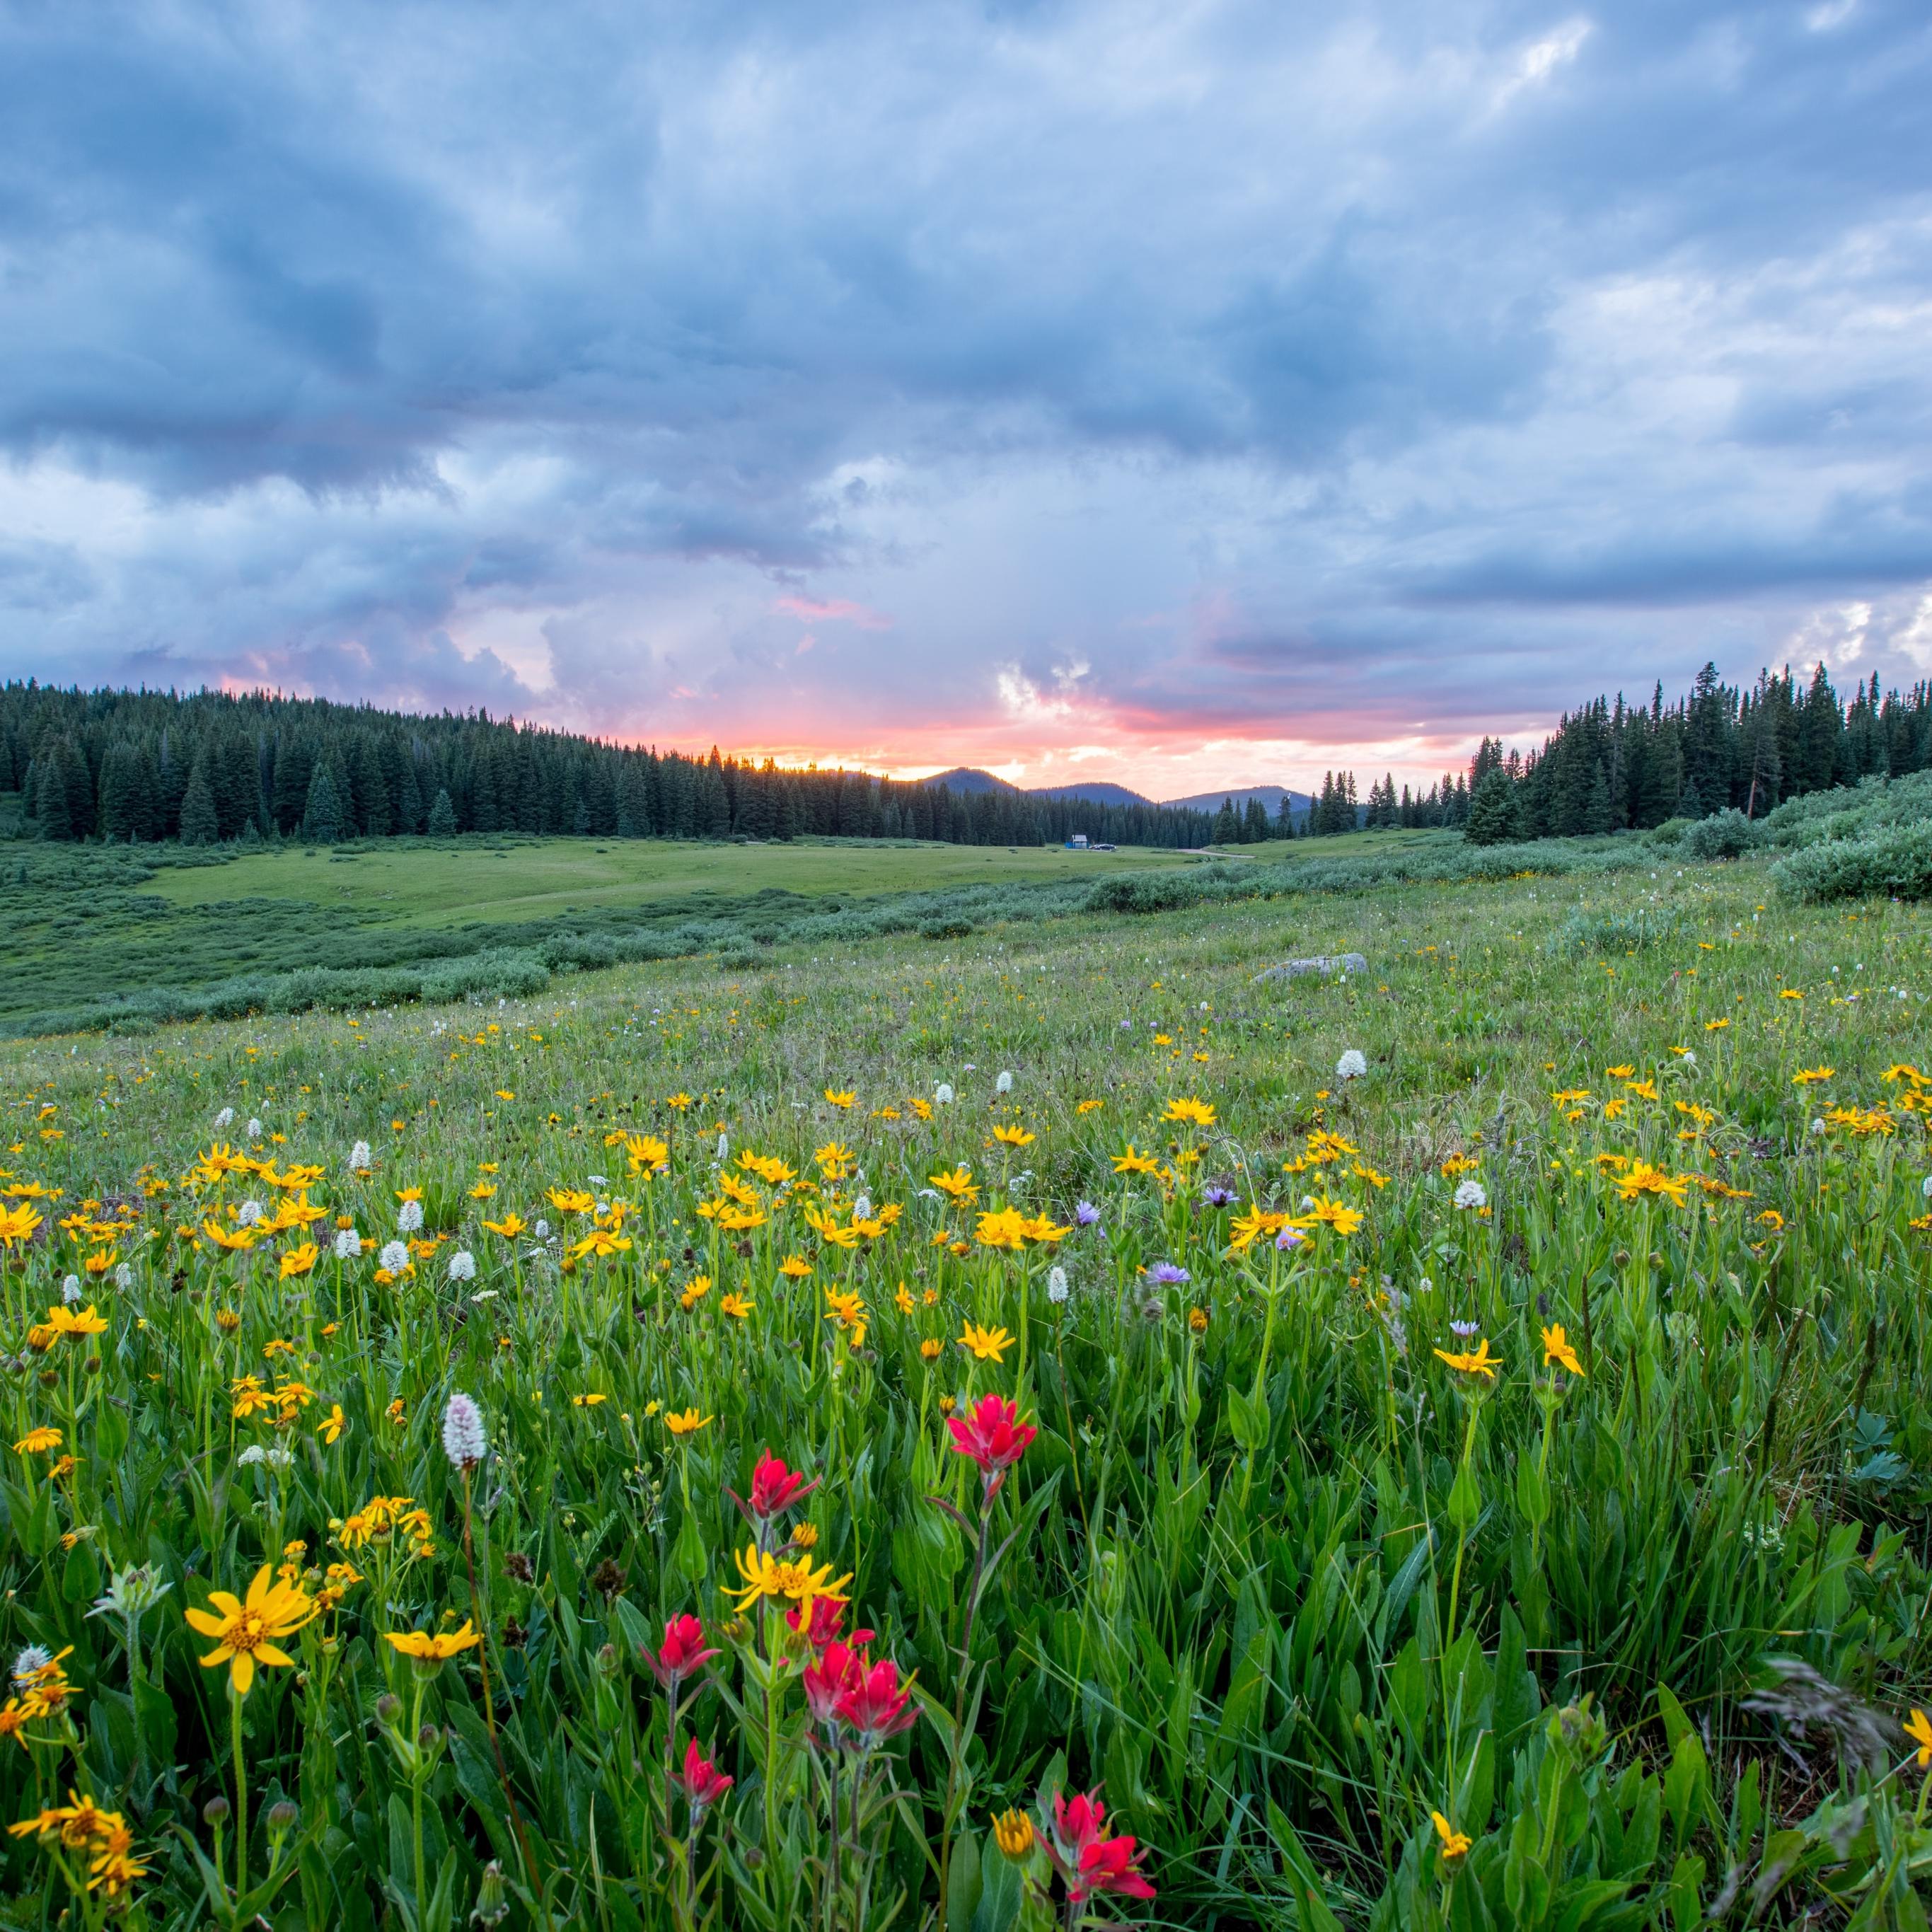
x: 1328, y: 963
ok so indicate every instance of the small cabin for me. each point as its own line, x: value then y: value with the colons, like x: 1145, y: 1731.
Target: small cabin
x: 1076, y: 841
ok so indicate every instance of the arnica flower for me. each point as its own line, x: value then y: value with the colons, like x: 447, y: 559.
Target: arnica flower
x: 1451, y: 1842
x: 1640, y: 1178
x: 429, y: 1651
x: 463, y: 1439
x: 1089, y: 1862
x: 683, y: 1653
x: 1013, y: 1833
x: 37, y: 1440
x: 248, y: 1633
x: 686, y: 1422
x: 1918, y: 1728
x: 1195, y: 1113
x: 992, y: 1434
x: 1556, y: 1350
x: 796, y: 1580
x: 299, y: 1260
x: 702, y: 1782
x: 985, y: 1345
x: 1478, y: 1362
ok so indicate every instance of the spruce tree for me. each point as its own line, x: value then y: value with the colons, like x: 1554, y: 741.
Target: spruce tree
x: 198, y: 824
x: 442, y: 817
x: 1493, y: 814
x: 322, y: 820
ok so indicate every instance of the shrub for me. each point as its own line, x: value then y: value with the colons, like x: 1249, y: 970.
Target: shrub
x: 1896, y: 863
x: 1725, y: 834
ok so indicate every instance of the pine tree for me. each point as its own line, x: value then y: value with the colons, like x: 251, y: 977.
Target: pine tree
x: 441, y: 817
x: 1226, y: 829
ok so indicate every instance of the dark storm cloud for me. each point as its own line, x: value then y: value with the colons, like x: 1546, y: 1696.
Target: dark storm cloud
x: 477, y: 353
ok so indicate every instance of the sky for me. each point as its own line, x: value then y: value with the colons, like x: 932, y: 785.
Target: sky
x: 1184, y: 394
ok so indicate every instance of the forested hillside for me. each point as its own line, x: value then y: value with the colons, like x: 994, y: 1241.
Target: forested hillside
x: 144, y: 766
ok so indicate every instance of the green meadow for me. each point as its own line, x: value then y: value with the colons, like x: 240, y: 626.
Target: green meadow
x: 1483, y: 1484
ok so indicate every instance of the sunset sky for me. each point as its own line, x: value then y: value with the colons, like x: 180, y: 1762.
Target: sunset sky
x: 1186, y: 394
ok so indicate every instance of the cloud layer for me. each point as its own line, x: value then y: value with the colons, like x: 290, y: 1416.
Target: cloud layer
x: 1183, y: 394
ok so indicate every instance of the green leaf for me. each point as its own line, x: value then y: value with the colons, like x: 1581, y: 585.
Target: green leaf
x: 963, y: 1885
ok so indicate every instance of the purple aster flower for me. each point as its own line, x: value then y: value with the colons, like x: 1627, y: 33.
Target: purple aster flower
x: 1085, y: 1213
x: 1218, y: 1197
x: 1465, y: 1331
x: 1166, y: 1274
x: 1289, y: 1237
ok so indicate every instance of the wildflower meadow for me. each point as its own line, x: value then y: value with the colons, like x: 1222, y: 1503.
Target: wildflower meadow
x: 1038, y: 1427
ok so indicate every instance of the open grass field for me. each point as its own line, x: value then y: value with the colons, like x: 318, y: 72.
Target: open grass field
x: 1483, y: 1485
x: 89, y: 927
x: 420, y: 883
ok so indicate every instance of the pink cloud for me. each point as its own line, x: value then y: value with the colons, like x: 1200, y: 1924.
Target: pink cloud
x: 832, y: 609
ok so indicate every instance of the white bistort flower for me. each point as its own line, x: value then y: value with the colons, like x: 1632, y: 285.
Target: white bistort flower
x: 723, y: 1149
x: 124, y: 1276
x: 71, y: 1288
x: 409, y: 1220
x: 348, y: 1245
x: 248, y: 1213
x: 463, y: 1265
x: 1004, y: 1085
x: 1057, y: 1289
x: 359, y: 1156
x: 1352, y: 1066
x: 254, y: 1128
x: 222, y: 1119
x: 462, y: 1439
x: 1472, y: 1194
x: 1925, y: 1187
x: 395, y: 1257
x: 942, y: 1094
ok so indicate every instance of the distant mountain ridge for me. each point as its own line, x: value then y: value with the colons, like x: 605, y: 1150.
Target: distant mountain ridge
x: 1270, y: 796
x: 971, y: 779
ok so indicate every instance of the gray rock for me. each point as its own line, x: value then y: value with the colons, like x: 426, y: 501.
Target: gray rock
x: 1300, y: 969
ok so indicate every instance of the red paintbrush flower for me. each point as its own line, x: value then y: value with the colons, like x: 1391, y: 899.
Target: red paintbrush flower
x: 822, y: 1626
x: 992, y: 1434
x: 703, y: 1782
x: 682, y: 1654
x: 875, y: 1705
x: 839, y: 1668
x: 1089, y: 1862
x: 775, y: 1488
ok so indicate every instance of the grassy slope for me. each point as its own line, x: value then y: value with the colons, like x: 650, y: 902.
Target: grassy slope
x: 1467, y: 1018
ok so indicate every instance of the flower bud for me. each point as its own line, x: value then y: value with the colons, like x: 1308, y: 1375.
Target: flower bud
x: 281, y: 1816
x: 388, y: 1708
x: 215, y: 1811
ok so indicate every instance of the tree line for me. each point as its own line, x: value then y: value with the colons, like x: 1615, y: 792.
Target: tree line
x: 1611, y: 766
x: 207, y: 767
